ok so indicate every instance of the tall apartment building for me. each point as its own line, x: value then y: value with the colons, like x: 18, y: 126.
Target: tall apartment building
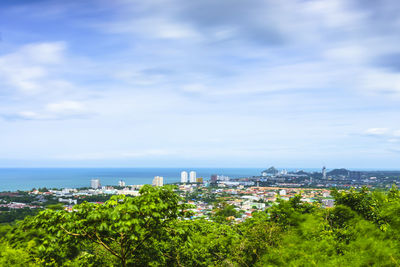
x: 95, y: 183
x: 158, y: 181
x: 184, y: 177
x: 192, y: 176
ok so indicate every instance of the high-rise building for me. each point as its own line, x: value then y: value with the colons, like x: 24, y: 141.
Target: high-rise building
x: 214, y: 178
x: 121, y: 183
x: 184, y: 177
x: 192, y: 176
x: 158, y: 181
x: 95, y: 183
x: 323, y: 172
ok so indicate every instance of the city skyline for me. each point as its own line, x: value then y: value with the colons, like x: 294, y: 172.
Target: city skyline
x: 202, y: 84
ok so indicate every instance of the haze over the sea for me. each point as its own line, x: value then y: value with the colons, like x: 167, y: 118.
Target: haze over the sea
x: 28, y: 178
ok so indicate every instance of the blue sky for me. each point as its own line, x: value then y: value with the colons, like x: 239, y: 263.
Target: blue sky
x: 200, y: 83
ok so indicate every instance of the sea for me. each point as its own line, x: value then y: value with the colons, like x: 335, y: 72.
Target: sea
x: 12, y: 179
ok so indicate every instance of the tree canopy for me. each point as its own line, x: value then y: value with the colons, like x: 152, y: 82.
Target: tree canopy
x: 154, y: 229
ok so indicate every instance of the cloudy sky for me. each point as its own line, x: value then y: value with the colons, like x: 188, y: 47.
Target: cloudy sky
x: 228, y: 83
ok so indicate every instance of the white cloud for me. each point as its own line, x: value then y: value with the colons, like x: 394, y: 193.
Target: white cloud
x: 151, y: 27
x: 200, y: 77
x: 333, y: 14
x: 29, y: 69
x: 53, y: 111
x: 65, y: 107
x: 195, y: 88
x: 396, y: 133
x: 388, y: 138
x: 42, y: 53
x: 29, y: 115
x: 377, y: 131
x: 348, y: 53
x: 377, y: 81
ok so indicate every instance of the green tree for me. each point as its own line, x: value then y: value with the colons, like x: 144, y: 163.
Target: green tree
x: 257, y: 236
x: 125, y: 227
x: 223, y: 213
x: 199, y: 243
x: 288, y: 213
x: 14, y: 257
x: 365, y: 203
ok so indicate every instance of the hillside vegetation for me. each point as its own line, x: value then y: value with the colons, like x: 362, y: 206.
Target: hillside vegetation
x: 153, y: 229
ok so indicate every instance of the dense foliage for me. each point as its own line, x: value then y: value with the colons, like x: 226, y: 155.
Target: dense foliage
x: 8, y: 215
x: 94, y: 198
x: 152, y: 229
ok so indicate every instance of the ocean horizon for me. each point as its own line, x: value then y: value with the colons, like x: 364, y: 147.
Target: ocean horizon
x: 12, y: 179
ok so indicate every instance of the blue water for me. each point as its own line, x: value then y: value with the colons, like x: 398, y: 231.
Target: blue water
x: 12, y: 179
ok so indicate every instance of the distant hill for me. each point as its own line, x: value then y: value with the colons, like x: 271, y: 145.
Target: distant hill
x: 271, y: 170
x: 338, y: 172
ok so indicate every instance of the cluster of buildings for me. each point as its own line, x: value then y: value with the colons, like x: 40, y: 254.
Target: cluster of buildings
x: 65, y: 194
x: 95, y: 183
x: 190, y: 178
x: 246, y: 200
x: 18, y: 205
x: 246, y: 194
x: 341, y: 178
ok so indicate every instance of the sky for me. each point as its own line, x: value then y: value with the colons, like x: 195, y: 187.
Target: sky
x: 227, y: 83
